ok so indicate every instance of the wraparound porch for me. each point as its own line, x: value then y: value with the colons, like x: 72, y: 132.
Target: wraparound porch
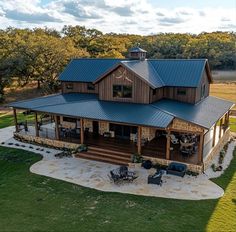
x: 150, y: 142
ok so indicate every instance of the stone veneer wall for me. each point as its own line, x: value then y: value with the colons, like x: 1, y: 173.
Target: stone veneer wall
x: 191, y: 167
x: 148, y: 133
x: 215, y: 150
x: 88, y: 124
x: 66, y: 124
x: 103, y: 127
x: 178, y: 124
x: 48, y: 142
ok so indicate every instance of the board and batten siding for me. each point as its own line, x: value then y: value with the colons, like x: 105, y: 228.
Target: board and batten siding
x: 122, y: 76
x: 172, y: 93
x: 204, y: 81
x: 157, y: 95
x: 78, y: 87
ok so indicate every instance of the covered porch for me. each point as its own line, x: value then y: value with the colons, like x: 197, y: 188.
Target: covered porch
x: 148, y: 141
x: 166, y: 130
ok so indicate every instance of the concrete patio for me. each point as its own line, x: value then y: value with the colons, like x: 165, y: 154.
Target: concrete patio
x: 94, y: 175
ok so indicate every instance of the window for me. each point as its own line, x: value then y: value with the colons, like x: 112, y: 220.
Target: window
x: 67, y: 119
x: 181, y: 91
x: 69, y: 86
x: 154, y: 92
x: 122, y: 91
x: 203, y: 90
x: 90, y: 86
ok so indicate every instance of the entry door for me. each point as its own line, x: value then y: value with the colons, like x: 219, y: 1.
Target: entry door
x: 122, y: 131
x: 95, y: 128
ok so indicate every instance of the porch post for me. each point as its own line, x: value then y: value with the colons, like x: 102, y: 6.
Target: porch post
x: 200, y: 148
x: 168, y: 145
x: 139, y: 140
x: 15, y: 120
x: 36, y: 124
x: 226, y: 121
x: 214, y: 135
x: 56, y: 128
x: 220, y: 127
x: 81, y: 131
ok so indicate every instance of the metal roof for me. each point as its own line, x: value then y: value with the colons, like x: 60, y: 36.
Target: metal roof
x: 78, y: 106
x: 52, y: 100
x: 86, y: 70
x: 145, y: 70
x: 157, y: 73
x: 137, y: 49
x: 206, y: 113
x: 180, y: 72
x: 158, y: 114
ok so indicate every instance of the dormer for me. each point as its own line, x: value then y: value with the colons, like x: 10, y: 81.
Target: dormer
x: 137, y: 53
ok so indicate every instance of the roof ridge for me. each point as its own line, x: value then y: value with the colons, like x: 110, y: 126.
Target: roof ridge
x: 162, y: 82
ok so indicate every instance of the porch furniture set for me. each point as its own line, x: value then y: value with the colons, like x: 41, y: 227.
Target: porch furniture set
x: 122, y: 174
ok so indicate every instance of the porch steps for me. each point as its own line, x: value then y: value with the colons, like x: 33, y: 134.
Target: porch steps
x: 104, y: 155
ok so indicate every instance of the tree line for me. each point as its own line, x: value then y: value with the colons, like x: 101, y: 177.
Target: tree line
x: 41, y: 54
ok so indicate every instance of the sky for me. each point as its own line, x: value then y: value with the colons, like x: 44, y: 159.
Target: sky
x: 144, y: 17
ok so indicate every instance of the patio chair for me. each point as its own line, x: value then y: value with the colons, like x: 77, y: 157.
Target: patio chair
x: 156, y: 178
x: 173, y: 139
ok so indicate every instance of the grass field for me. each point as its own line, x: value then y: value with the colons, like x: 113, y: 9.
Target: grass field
x: 31, y: 202
x: 8, y: 119
x: 226, y: 91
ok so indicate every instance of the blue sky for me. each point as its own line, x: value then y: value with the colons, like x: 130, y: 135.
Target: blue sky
x: 122, y: 16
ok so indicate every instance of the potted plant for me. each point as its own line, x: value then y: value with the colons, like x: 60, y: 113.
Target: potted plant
x: 82, y: 148
x: 136, y: 160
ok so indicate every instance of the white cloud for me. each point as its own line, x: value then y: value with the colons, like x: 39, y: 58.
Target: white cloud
x: 133, y: 16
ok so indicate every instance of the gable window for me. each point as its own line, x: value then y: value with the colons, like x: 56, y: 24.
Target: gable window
x: 181, y: 92
x: 203, y: 90
x: 69, y: 86
x: 90, y: 86
x: 122, y: 91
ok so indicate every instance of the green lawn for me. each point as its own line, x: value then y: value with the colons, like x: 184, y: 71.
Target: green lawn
x: 8, y: 119
x: 30, y: 202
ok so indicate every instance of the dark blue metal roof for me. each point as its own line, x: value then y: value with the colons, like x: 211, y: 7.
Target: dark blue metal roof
x: 145, y: 70
x: 52, y: 100
x: 158, y: 114
x: 205, y: 114
x: 180, y: 72
x: 86, y: 70
x: 157, y: 73
x: 137, y: 49
x: 86, y: 106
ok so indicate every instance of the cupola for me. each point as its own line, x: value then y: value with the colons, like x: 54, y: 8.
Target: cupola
x: 137, y: 53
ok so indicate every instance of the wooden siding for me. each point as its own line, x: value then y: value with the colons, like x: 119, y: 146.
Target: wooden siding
x: 121, y: 76
x: 204, y: 81
x: 172, y: 93
x: 157, y: 96
x: 78, y: 87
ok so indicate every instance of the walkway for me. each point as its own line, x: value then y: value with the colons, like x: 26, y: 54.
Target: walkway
x: 93, y: 174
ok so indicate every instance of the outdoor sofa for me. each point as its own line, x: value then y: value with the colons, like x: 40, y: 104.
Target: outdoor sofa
x: 177, y: 169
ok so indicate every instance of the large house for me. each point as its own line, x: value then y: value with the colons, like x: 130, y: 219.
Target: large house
x: 158, y: 108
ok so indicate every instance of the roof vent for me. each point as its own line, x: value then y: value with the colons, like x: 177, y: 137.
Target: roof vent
x: 137, y: 53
